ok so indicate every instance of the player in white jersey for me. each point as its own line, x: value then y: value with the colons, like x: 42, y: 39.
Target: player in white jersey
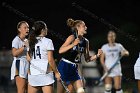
x: 137, y: 72
x: 19, y: 69
x: 111, y: 53
x: 42, y: 64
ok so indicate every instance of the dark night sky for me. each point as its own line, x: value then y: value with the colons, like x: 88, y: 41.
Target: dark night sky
x: 124, y: 14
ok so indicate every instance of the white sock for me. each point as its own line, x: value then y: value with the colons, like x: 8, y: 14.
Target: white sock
x: 120, y: 91
x: 107, y: 92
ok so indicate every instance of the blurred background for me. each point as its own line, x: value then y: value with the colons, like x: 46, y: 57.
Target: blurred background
x: 99, y: 16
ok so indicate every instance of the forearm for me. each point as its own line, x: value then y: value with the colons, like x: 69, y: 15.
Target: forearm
x: 94, y: 57
x: 87, y: 57
x: 53, y: 66
x: 103, y: 64
x: 63, y: 49
x: 102, y: 60
x: 124, y: 53
x: 28, y: 57
x: 18, y: 52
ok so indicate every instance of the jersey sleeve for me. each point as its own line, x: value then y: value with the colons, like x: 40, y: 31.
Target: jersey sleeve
x: 103, y: 48
x: 15, y: 43
x: 50, y: 45
x: 121, y: 47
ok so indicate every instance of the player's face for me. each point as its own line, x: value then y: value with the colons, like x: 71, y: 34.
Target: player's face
x: 45, y: 31
x: 111, y: 37
x: 82, y: 29
x: 24, y: 29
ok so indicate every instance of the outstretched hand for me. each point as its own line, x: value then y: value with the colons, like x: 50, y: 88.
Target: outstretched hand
x: 94, y: 57
x: 99, y: 52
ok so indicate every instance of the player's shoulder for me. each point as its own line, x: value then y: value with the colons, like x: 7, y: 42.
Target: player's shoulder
x: 16, y: 39
x: 105, y: 45
x: 47, y: 39
x: 118, y: 44
x: 70, y: 38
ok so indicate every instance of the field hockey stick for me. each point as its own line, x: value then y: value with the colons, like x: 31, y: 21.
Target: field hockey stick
x: 64, y: 86
x: 106, y: 73
x: 78, y: 57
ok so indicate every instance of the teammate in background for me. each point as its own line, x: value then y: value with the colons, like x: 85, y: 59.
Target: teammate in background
x: 111, y: 52
x: 137, y: 72
x: 71, y: 50
x: 42, y: 64
x: 19, y: 69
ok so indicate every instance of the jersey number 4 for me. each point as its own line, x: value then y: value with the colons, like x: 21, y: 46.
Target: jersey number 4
x: 37, y: 52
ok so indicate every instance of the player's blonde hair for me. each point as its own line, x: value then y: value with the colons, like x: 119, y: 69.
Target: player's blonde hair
x: 74, y: 23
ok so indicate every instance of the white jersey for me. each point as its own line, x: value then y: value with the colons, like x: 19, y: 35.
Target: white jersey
x: 138, y: 61
x: 18, y: 43
x: 112, y: 53
x: 137, y: 68
x: 41, y: 48
x: 20, y: 65
x: 39, y: 63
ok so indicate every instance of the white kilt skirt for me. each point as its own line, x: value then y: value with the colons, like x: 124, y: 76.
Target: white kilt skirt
x: 39, y: 76
x: 116, y: 71
x: 41, y: 80
x: 20, y: 68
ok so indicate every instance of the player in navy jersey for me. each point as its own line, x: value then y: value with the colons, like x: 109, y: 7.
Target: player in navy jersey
x: 42, y: 64
x: 71, y: 51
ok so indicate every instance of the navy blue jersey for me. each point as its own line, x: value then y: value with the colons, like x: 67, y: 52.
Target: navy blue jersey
x: 75, y: 51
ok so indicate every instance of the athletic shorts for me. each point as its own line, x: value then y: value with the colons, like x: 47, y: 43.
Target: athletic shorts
x: 68, y: 71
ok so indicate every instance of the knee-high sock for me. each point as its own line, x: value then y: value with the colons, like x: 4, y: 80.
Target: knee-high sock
x: 107, y: 91
x: 119, y: 91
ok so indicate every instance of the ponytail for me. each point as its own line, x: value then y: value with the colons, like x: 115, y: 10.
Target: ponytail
x: 32, y: 41
x: 73, y: 23
x: 36, y: 31
x: 70, y: 22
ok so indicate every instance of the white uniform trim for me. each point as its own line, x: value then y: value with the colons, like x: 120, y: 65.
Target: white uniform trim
x: 67, y: 61
x: 80, y: 90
